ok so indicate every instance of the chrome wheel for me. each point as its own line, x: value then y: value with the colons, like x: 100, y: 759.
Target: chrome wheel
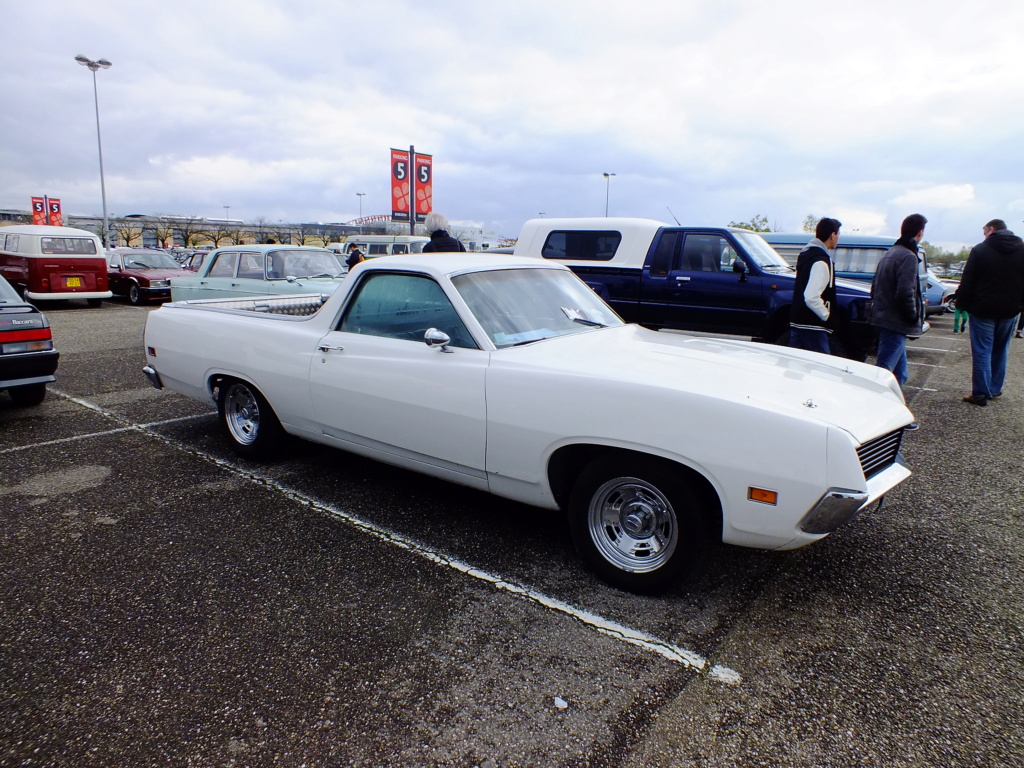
x: 242, y: 414
x: 633, y: 525
x: 134, y: 295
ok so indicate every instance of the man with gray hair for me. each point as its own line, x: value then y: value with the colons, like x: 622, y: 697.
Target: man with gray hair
x: 992, y: 292
x: 440, y: 240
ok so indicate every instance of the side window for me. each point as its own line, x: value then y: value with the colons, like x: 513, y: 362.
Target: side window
x: 400, y: 248
x: 729, y: 255
x: 377, y: 249
x: 664, y: 253
x: 250, y: 266
x: 224, y: 265
x: 402, y: 306
x: 705, y: 253
x: 581, y: 245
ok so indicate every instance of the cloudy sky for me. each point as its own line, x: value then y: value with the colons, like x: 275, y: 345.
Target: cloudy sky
x: 710, y: 111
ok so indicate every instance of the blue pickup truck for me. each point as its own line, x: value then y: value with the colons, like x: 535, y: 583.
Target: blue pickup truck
x: 714, y: 279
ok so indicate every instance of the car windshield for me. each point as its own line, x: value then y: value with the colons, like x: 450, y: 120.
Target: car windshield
x: 305, y: 263
x: 149, y: 260
x: 764, y: 255
x: 517, y: 306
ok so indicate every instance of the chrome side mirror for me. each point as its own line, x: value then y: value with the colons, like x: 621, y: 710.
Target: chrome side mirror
x: 436, y: 338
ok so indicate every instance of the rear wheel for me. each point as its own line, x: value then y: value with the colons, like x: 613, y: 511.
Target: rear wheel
x: 248, y: 420
x: 638, y: 522
x: 28, y: 394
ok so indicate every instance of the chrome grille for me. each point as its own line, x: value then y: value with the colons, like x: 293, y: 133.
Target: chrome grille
x: 880, y: 453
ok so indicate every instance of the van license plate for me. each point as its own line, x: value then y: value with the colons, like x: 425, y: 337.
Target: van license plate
x: 73, y: 282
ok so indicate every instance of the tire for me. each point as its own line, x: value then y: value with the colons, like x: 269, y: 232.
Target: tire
x: 134, y: 294
x: 28, y: 394
x: 248, y: 420
x: 638, y: 523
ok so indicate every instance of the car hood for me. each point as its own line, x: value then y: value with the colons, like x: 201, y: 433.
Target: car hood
x: 861, y: 399
x: 154, y: 274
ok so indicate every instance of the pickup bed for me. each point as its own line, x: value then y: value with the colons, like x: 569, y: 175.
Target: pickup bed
x: 714, y: 279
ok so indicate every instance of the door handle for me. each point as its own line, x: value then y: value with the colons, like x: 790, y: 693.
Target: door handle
x: 682, y: 278
x: 328, y: 347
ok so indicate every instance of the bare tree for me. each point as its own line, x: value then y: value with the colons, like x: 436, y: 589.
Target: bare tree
x: 126, y: 230
x: 191, y: 228
x: 220, y: 233
x: 163, y: 229
x: 261, y: 228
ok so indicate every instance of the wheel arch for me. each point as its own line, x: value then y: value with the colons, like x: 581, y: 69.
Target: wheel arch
x: 568, y: 462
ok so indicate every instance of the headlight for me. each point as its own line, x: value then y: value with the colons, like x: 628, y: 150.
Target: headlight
x: 160, y: 283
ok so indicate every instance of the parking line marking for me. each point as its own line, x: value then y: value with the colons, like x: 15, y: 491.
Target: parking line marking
x: 91, y: 435
x: 605, y: 626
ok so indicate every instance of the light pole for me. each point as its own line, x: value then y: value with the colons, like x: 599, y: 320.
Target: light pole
x: 227, y: 211
x: 93, y: 66
x: 360, y: 195
x: 607, y: 191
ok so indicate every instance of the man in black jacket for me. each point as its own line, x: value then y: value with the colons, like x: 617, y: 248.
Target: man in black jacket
x: 814, y: 294
x: 992, y: 292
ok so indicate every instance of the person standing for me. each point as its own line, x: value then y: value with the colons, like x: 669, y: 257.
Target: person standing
x: 354, y: 255
x: 897, y: 310
x: 992, y: 292
x: 814, y: 293
x: 440, y: 240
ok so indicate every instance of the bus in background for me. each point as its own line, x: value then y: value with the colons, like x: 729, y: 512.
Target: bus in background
x: 381, y: 245
x: 46, y: 263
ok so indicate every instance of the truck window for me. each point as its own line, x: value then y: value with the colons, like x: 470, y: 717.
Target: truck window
x: 664, y: 253
x: 706, y: 253
x: 581, y: 245
x: 403, y: 307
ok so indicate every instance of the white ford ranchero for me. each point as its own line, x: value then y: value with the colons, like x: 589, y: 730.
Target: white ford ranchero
x: 510, y: 375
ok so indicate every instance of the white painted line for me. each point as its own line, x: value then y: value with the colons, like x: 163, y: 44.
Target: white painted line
x: 91, y: 435
x: 611, y: 628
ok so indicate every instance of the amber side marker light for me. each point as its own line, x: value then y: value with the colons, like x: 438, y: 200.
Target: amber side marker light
x: 763, y: 495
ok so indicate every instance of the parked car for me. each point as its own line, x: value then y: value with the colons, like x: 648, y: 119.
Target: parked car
x: 252, y: 270
x: 27, y: 357
x: 938, y: 294
x: 141, y: 274
x: 509, y: 375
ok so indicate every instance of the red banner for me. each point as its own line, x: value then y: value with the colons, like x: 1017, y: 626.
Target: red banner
x: 424, y: 185
x: 56, y: 218
x: 39, y: 210
x: 399, y: 185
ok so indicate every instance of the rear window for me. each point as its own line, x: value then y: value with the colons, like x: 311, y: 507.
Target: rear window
x: 582, y: 245
x: 68, y: 245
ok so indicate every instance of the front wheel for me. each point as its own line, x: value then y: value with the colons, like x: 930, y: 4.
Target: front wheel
x: 638, y: 522
x: 248, y: 420
x: 134, y: 294
x: 28, y: 394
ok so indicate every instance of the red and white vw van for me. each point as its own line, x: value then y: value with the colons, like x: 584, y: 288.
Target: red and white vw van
x: 52, y: 263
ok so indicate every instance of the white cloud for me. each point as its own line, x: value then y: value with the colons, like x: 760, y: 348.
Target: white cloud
x: 943, y: 196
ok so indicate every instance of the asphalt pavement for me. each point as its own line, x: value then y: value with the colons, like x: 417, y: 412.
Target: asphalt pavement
x: 164, y: 603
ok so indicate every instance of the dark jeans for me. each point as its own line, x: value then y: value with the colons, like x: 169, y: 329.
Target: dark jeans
x: 813, y: 341
x: 892, y: 353
x: 990, y: 344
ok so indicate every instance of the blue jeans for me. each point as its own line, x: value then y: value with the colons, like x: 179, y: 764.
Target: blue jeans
x: 813, y: 341
x: 892, y: 353
x: 990, y: 344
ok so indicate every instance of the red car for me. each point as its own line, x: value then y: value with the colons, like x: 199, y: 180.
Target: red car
x: 27, y: 357
x: 141, y: 274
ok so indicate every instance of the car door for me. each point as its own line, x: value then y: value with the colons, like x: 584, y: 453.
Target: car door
x: 377, y: 385
x: 232, y: 274
x: 701, y: 289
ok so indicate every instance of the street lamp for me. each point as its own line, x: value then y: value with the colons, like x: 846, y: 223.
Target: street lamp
x: 607, y: 191
x: 360, y: 195
x: 93, y: 66
x: 227, y: 211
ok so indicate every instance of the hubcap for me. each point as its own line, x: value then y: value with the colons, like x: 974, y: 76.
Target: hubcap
x: 633, y: 524
x: 242, y: 414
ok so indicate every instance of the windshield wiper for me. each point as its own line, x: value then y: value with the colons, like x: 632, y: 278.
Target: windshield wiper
x: 591, y: 323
